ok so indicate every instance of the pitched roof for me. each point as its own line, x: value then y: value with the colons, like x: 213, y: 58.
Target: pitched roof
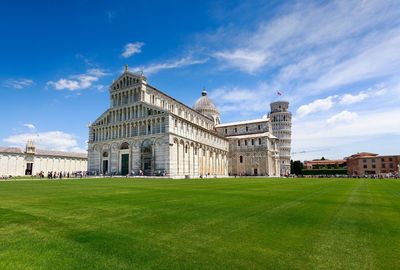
x: 243, y: 122
x: 254, y: 135
x: 14, y: 150
x: 40, y: 152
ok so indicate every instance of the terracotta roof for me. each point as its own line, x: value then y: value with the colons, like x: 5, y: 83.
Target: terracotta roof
x: 317, y: 162
x: 363, y: 154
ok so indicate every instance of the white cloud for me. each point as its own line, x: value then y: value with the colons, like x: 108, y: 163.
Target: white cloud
x: 315, y: 50
x: 185, y: 61
x: 377, y: 91
x: 316, y: 106
x: 132, y: 48
x: 18, y: 83
x: 243, y: 103
x: 348, y: 99
x: 246, y: 60
x: 51, y: 140
x: 344, y: 116
x: 30, y: 126
x: 78, y: 82
x: 346, y: 137
x: 377, y: 60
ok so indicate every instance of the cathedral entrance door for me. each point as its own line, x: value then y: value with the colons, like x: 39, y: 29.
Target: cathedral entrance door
x: 105, y: 166
x: 255, y: 171
x: 124, y: 164
x: 147, y: 157
x: 147, y: 168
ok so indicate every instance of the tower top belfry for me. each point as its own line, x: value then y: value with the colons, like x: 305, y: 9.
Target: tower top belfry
x: 30, y: 147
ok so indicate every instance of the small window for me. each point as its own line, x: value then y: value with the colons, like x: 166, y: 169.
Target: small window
x: 364, y: 160
x: 238, y: 143
x: 241, y: 159
x: 373, y: 161
x: 259, y: 127
x: 365, y: 166
x: 373, y: 166
x: 247, y: 129
x: 259, y: 141
x: 390, y: 159
x: 383, y: 165
x: 226, y: 131
x: 382, y: 159
x: 252, y: 141
x: 245, y: 142
x: 235, y: 130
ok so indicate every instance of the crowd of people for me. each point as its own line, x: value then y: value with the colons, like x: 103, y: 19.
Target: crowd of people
x: 53, y: 175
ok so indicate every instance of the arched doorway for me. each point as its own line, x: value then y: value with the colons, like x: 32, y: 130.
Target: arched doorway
x: 105, y: 163
x: 147, y: 158
x: 124, y: 158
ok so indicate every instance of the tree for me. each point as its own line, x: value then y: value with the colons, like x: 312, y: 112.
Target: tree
x: 296, y: 167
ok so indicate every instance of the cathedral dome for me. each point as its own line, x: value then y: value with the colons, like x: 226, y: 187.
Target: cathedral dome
x: 205, y: 106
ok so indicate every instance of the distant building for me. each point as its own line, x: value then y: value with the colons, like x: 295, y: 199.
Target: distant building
x: 364, y: 163
x: 31, y: 161
x: 325, y: 164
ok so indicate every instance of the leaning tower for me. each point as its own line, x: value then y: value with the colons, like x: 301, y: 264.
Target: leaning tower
x: 281, y: 121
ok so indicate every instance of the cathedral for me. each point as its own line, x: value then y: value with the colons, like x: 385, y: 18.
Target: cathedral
x: 149, y: 133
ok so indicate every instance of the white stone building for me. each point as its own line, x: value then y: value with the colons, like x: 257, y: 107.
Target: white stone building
x: 147, y: 132
x: 253, y: 149
x: 31, y: 161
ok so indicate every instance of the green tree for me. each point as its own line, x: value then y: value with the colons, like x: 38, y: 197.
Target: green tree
x: 296, y: 167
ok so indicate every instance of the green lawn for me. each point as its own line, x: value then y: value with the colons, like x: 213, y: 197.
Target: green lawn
x: 200, y: 224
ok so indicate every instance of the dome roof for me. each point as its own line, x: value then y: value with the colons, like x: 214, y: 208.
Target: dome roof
x: 204, y: 105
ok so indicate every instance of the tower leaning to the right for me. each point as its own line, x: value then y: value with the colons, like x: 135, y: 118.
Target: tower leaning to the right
x: 281, y: 121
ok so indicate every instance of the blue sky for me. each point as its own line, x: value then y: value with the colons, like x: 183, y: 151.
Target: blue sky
x: 337, y: 62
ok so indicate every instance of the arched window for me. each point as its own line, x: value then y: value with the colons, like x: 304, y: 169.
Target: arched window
x: 105, y: 154
x: 124, y: 146
x: 241, y: 159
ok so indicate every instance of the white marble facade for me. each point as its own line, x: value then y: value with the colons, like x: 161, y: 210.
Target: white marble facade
x: 147, y: 132
x: 253, y: 149
x: 31, y: 161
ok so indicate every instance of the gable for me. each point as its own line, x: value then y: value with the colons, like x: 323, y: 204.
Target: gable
x: 127, y: 79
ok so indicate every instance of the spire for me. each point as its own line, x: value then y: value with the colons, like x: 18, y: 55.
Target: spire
x: 126, y: 67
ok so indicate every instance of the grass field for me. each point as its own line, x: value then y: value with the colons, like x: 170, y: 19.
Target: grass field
x: 200, y: 224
